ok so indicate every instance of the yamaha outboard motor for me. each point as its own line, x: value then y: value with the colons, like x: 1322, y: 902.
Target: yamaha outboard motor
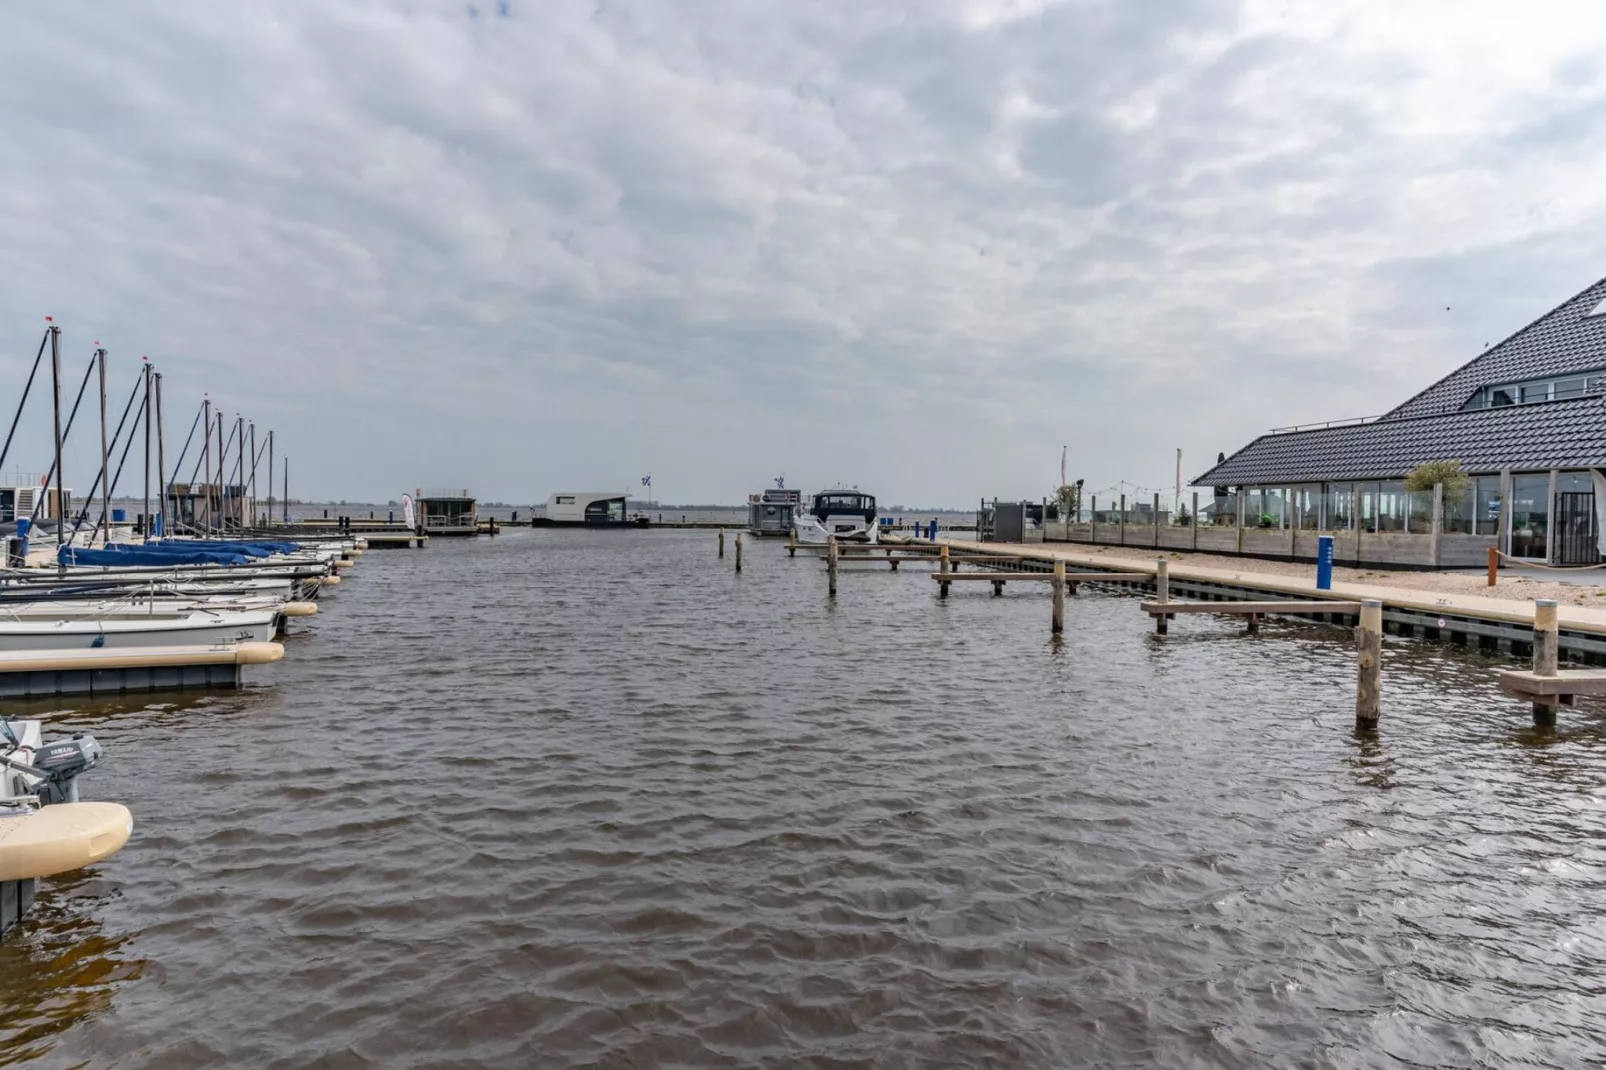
x: 57, y: 766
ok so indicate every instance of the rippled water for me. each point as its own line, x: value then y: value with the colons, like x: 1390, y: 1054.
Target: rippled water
x: 591, y: 799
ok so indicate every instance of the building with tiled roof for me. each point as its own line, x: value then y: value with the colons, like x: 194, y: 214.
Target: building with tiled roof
x: 1526, y: 419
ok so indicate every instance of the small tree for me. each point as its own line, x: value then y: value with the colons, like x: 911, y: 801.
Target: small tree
x: 1430, y: 473
x: 1070, y: 499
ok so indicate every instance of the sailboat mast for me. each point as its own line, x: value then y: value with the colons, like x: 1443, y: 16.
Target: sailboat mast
x: 206, y: 454
x: 239, y: 499
x: 145, y: 517
x: 161, y: 456
x: 105, y: 459
x: 272, y: 523
x: 222, y: 449
x: 253, y: 472
x: 55, y: 376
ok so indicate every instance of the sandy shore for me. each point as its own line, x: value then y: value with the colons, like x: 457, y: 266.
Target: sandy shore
x: 1443, y: 582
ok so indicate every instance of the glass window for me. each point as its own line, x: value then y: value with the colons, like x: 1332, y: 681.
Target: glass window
x: 1308, y: 508
x: 1486, y: 504
x: 1535, y: 392
x: 1391, y: 507
x: 1530, y: 514
x: 1368, y: 506
x: 1340, y: 507
x: 1568, y: 388
x: 1460, y: 509
x: 1574, y: 483
x: 1419, y: 511
x: 1502, y: 395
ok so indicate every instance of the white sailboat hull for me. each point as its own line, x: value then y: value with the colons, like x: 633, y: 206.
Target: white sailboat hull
x: 193, y: 629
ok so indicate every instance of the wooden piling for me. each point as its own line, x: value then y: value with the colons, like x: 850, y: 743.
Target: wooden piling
x: 1494, y: 565
x: 791, y: 542
x: 1057, y: 625
x: 830, y: 564
x: 1368, y: 664
x: 942, y: 571
x: 738, y: 551
x: 1547, y: 635
x: 1162, y: 592
x: 722, y: 543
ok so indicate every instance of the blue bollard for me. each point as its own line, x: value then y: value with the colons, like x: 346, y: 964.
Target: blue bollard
x: 1324, y: 563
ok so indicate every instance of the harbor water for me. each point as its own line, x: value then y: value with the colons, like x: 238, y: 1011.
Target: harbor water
x: 567, y: 798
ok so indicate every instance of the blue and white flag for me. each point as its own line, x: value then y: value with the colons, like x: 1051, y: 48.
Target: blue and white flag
x: 646, y: 481
x: 780, y: 482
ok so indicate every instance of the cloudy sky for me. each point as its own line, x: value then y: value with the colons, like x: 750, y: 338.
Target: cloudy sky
x: 528, y: 246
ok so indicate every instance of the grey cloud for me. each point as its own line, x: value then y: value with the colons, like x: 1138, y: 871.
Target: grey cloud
x: 565, y: 245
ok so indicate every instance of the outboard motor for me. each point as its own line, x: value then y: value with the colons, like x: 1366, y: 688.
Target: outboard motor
x: 62, y: 763
x: 57, y: 767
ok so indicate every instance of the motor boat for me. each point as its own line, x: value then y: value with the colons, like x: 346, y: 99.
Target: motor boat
x: 847, y: 514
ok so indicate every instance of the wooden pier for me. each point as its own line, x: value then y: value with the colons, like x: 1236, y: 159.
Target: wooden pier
x: 1490, y: 624
x: 1538, y: 628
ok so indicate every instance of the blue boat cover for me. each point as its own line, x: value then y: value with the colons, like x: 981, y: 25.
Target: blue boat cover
x: 251, y: 548
x: 117, y: 555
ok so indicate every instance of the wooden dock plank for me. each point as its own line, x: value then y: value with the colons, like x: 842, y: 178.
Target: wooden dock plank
x: 1070, y: 577
x: 1525, y: 683
x: 1256, y: 608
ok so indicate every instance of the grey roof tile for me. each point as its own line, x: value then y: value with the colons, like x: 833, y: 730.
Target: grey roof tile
x: 1554, y: 434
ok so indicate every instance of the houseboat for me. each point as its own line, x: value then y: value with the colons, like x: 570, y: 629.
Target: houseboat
x: 596, y: 509
x: 847, y: 513
x: 444, y: 512
x: 773, y: 512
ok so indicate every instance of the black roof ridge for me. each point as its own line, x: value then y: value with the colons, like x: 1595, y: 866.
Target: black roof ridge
x: 1449, y: 415
x: 1490, y: 351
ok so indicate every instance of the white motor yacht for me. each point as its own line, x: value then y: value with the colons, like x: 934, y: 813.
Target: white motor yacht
x: 848, y: 514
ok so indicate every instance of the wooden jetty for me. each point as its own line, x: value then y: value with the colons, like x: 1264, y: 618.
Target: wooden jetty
x: 27, y: 674
x: 1491, y: 624
x: 393, y: 540
x: 1519, y: 627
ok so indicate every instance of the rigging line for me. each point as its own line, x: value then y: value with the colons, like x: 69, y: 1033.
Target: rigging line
x: 124, y: 458
x: 60, y: 521
x: 42, y: 343
x: 185, y: 451
x: 72, y: 416
x: 81, y: 516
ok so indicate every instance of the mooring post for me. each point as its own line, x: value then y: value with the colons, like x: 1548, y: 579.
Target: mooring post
x: 1058, y: 623
x: 791, y: 542
x: 830, y: 564
x: 1546, y: 640
x: 738, y: 551
x: 721, y: 542
x: 1494, y: 565
x: 1368, y: 663
x: 942, y: 570
x: 1162, y: 593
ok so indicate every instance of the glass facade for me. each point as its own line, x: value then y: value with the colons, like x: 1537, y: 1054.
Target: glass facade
x: 1387, y: 507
